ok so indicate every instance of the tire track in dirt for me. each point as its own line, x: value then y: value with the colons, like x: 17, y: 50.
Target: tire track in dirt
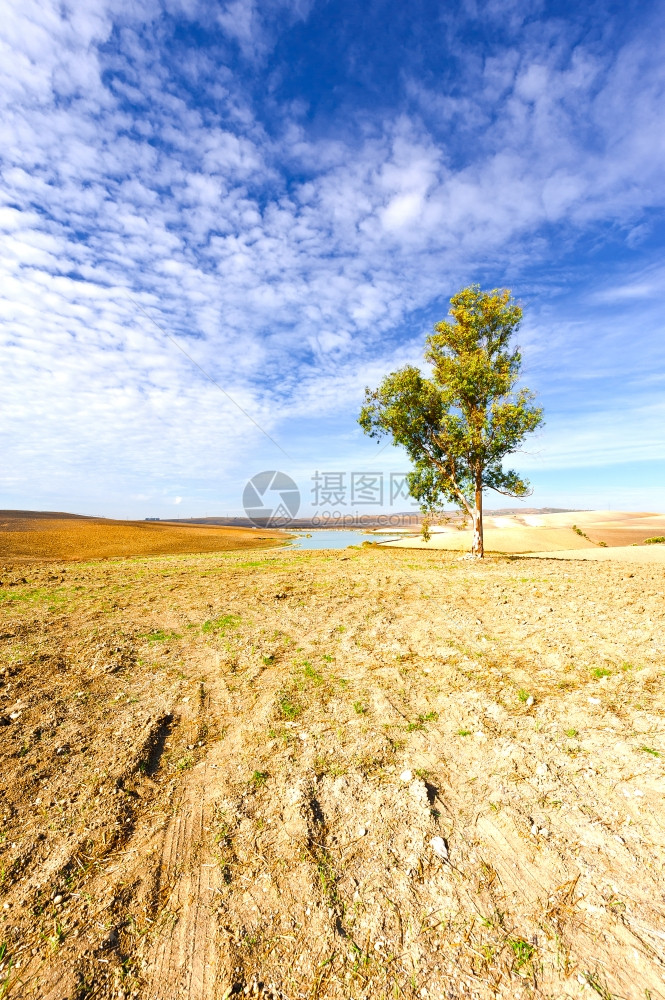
x: 187, y: 958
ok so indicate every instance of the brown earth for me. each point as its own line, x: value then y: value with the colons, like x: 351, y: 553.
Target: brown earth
x: 360, y: 774
x: 66, y: 537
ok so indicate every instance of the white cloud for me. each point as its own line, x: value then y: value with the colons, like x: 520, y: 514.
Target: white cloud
x: 282, y: 262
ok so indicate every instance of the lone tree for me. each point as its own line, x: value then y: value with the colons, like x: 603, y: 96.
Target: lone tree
x: 458, y: 425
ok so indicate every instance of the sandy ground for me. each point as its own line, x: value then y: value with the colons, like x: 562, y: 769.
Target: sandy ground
x: 546, y: 533
x: 364, y: 774
x: 41, y: 538
x: 646, y: 554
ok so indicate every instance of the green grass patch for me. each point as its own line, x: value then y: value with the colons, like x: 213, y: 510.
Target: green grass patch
x: 259, y: 778
x: 601, y: 672
x: 32, y: 595
x: 311, y: 674
x: 656, y: 540
x: 421, y: 720
x: 290, y: 709
x: 221, y: 624
x: 281, y: 734
x: 159, y: 635
x: 522, y: 950
x: 654, y: 753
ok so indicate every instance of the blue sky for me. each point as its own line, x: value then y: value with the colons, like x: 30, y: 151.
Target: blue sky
x: 291, y: 190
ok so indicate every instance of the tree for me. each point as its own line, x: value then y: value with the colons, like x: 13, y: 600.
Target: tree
x: 458, y: 425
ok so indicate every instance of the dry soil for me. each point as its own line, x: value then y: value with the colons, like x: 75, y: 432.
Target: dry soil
x: 39, y: 539
x: 573, y: 532
x: 355, y: 774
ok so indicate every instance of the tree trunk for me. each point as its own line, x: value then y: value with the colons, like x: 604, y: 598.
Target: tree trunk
x: 478, y: 549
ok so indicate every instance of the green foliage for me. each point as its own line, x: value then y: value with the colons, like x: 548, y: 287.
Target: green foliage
x: 311, y: 674
x: 656, y: 540
x: 58, y: 936
x: 522, y: 950
x: 422, y: 719
x: 159, y: 635
x: 221, y: 624
x: 289, y: 709
x: 458, y: 425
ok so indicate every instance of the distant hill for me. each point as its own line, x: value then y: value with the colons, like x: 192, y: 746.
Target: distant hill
x: 395, y: 519
x: 51, y: 515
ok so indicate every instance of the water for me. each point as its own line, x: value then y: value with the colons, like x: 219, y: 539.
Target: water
x: 325, y: 538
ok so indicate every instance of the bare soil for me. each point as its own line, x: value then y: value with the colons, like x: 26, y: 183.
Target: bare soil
x: 627, y: 554
x: 582, y: 531
x: 40, y: 538
x: 357, y: 774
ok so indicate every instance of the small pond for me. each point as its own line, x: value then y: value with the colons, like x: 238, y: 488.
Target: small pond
x: 334, y: 538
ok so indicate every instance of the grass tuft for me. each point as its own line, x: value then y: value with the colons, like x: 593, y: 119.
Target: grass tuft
x: 523, y: 952
x: 159, y: 635
x: 221, y: 624
x: 289, y: 709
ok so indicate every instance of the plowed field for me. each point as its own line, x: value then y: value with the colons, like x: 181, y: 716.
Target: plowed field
x: 355, y: 774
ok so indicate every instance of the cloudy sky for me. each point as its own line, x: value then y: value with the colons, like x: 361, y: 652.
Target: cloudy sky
x: 220, y: 221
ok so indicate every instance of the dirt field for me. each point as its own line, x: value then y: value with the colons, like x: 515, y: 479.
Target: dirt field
x: 42, y: 538
x: 355, y: 774
x: 545, y: 533
x: 645, y: 554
